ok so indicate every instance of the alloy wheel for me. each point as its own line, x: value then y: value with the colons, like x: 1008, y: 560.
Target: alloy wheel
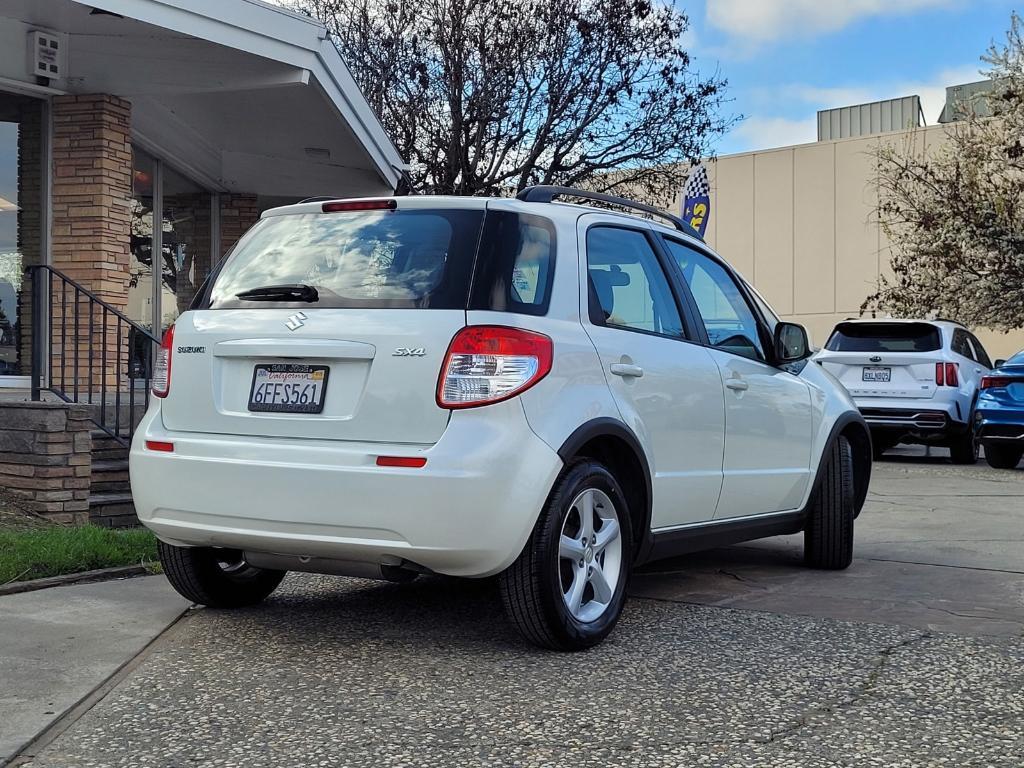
x: 590, y: 555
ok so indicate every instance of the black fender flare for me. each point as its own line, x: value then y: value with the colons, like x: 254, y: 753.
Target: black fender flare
x: 609, y: 427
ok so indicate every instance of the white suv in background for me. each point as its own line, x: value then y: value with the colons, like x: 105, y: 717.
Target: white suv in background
x: 915, y: 381
x: 545, y: 392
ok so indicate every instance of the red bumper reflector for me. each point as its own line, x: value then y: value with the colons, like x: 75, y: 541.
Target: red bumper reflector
x: 159, y: 445
x: 413, y: 462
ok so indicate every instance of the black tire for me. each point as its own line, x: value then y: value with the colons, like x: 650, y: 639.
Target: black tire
x: 964, y: 449
x: 1003, y: 456
x: 828, y: 536
x: 217, y: 578
x: 531, y: 588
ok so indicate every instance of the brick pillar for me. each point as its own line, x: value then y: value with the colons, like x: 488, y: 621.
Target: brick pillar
x: 237, y: 214
x: 92, y: 187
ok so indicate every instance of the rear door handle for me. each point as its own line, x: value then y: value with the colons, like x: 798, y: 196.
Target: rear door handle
x: 623, y: 369
x: 737, y: 384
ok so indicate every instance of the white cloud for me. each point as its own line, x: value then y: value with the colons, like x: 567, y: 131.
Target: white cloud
x: 762, y: 130
x: 768, y: 20
x: 932, y: 91
x: 765, y: 132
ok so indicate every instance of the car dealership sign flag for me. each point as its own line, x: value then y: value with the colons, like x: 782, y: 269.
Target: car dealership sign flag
x: 697, y: 201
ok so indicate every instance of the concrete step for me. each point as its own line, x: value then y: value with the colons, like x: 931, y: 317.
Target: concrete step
x: 105, y: 448
x: 112, y: 510
x: 110, y: 476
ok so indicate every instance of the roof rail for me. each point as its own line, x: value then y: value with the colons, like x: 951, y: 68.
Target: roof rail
x: 546, y: 193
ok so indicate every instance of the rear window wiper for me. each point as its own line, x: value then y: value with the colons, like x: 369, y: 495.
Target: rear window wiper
x: 293, y: 292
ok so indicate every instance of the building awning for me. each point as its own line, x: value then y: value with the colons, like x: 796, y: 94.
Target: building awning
x: 239, y: 94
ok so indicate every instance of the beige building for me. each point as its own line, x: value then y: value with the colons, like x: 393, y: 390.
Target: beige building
x: 799, y: 223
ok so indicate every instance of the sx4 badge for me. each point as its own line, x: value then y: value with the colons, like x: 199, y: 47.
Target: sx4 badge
x: 409, y: 352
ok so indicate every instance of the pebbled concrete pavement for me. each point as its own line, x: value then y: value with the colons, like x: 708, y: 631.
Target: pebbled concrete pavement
x: 347, y: 673
x: 913, y: 657
x: 58, y: 644
x: 937, y: 547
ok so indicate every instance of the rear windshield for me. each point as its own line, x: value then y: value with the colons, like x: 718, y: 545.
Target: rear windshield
x: 884, y: 337
x: 376, y: 259
x: 392, y: 259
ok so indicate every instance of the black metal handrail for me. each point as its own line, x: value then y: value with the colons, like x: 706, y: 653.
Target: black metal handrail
x: 53, y: 295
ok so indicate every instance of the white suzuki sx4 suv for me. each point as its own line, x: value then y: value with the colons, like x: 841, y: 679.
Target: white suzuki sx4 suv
x: 545, y: 392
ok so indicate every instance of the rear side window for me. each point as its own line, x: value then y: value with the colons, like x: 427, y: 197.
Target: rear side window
x: 979, y: 351
x: 884, y: 337
x: 516, y: 264
x: 962, y: 346
x: 359, y: 259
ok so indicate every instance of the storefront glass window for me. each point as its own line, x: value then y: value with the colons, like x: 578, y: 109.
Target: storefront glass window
x: 187, y: 242
x: 21, y: 189
x: 140, y: 266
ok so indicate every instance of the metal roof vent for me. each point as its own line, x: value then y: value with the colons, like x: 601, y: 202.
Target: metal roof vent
x: 869, y: 119
x: 966, y: 99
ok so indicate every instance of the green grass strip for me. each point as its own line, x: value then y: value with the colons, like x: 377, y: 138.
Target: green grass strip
x: 35, y: 554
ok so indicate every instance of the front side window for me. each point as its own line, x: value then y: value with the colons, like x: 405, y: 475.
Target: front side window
x: 628, y: 288
x: 366, y: 259
x: 728, y: 319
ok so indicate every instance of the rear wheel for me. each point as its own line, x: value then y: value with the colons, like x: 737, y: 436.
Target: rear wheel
x: 218, y: 578
x: 1003, y: 456
x: 964, y: 449
x: 828, y: 537
x: 567, y: 587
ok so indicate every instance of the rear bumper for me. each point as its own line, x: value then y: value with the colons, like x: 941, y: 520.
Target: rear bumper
x: 929, y: 415
x: 468, y: 512
x: 1004, y: 425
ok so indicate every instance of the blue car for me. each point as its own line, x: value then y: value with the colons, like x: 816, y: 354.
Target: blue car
x: 1000, y: 413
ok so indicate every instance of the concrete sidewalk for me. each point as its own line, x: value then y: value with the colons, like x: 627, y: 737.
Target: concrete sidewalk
x: 58, y: 644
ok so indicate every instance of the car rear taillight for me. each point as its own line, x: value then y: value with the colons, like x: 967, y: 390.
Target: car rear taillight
x: 162, y: 369
x: 995, y: 382
x: 359, y: 205
x: 490, y: 363
x: 947, y: 375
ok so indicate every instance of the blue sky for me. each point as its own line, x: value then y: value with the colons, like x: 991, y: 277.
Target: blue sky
x: 786, y: 59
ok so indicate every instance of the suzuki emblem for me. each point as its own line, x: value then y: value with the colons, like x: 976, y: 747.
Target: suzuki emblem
x: 296, y: 321
x: 875, y: 358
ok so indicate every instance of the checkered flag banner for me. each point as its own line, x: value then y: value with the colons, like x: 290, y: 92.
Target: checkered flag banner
x: 697, y: 201
x: 697, y: 183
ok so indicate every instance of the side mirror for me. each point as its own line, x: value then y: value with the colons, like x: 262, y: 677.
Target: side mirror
x: 998, y: 363
x: 791, y: 343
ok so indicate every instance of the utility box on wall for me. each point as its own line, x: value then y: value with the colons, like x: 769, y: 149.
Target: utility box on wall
x: 45, y: 54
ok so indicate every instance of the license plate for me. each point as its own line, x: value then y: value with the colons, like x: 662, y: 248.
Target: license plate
x: 874, y: 373
x: 288, y: 388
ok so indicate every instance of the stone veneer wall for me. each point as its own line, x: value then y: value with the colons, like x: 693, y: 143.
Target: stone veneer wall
x: 237, y: 214
x: 46, y: 459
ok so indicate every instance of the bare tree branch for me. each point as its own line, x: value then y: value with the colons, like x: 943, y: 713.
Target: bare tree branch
x: 488, y: 96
